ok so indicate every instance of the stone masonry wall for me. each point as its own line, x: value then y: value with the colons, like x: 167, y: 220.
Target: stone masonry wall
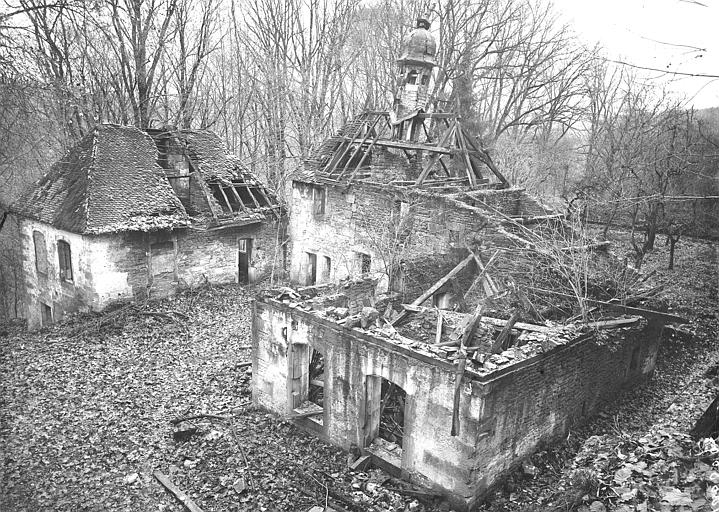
x: 427, y: 233
x: 541, y: 398
x: 113, y: 267
x: 503, y: 416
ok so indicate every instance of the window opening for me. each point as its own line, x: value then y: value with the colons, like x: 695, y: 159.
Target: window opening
x: 307, y: 384
x: 244, y: 250
x: 319, y: 200
x: 384, y: 425
x: 391, y: 416
x: 327, y: 269
x: 65, y: 260
x: 311, y: 269
x: 365, y: 262
x: 316, y: 390
x: 425, y: 79
x: 412, y: 77
x: 46, y: 312
x: 40, y: 252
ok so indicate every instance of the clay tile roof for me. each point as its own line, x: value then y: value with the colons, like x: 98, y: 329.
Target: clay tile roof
x: 109, y: 182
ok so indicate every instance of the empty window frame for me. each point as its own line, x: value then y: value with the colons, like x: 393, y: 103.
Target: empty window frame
x: 327, y: 268
x: 365, y: 262
x: 40, y: 252
x: 319, y: 200
x: 412, y: 77
x: 64, y: 260
x: 425, y: 79
x: 45, y: 313
x: 311, y: 269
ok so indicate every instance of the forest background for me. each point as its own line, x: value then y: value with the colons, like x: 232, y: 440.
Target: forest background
x: 273, y: 78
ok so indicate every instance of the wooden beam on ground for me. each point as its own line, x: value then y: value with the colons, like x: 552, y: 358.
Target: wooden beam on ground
x: 518, y: 325
x: 436, y: 286
x: 612, y: 324
x: 177, y: 492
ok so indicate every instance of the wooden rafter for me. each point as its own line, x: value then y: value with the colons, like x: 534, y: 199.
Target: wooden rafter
x: 435, y: 157
x: 484, y: 157
x: 370, y: 129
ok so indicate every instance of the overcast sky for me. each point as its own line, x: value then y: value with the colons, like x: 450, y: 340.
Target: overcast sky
x: 676, y: 35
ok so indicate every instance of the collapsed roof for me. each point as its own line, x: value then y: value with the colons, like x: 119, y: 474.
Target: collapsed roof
x: 441, y: 153
x: 119, y: 178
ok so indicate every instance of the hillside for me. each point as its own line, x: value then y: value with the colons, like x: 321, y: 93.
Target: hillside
x: 87, y: 410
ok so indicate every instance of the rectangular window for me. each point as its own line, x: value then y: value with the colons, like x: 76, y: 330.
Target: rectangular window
x: 46, y: 312
x: 40, y: 252
x: 311, y: 269
x: 64, y: 259
x: 327, y: 270
x: 365, y: 261
x: 319, y: 200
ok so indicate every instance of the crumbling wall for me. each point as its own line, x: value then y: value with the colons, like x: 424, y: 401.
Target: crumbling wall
x: 539, y: 399
x: 504, y: 415
x: 430, y: 455
x: 114, y: 267
x: 47, y: 287
x: 426, y: 233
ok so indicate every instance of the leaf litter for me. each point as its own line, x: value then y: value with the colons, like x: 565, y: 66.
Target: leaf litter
x: 87, y: 406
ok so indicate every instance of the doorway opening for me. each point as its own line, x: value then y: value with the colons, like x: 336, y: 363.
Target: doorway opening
x: 385, y: 420
x: 244, y: 250
x: 311, y: 269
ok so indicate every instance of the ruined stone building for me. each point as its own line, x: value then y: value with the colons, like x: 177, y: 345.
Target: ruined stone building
x: 447, y: 323
x: 128, y: 214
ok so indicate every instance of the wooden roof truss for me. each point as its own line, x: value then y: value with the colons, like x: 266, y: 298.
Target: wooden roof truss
x: 453, y: 155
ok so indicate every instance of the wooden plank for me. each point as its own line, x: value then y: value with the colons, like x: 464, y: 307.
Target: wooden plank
x: 446, y: 137
x: 461, y: 365
x: 237, y: 197
x: 359, y: 146
x: 518, y: 325
x: 465, y: 156
x: 484, y: 157
x: 436, y: 286
x: 227, y: 201
x: 438, y: 335
x: 369, y: 149
x: 319, y: 383
x: 612, y: 324
x: 307, y: 414
x: 177, y: 492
